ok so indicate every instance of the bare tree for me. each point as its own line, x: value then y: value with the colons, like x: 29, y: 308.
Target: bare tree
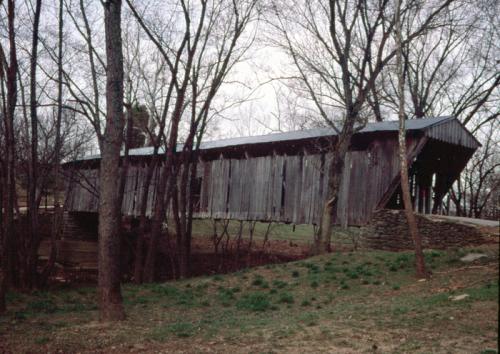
x: 479, y: 182
x: 405, y: 185
x: 198, y: 65
x: 338, y: 50
x: 110, y: 298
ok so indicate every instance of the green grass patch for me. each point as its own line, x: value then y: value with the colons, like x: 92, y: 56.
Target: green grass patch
x: 254, y: 302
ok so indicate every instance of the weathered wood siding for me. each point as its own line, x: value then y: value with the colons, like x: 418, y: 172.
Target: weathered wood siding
x: 281, y: 182
x: 275, y: 187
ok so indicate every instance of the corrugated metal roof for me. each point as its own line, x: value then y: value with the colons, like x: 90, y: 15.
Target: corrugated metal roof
x: 412, y: 124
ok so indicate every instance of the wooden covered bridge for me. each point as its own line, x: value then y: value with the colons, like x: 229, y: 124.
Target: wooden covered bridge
x: 283, y: 177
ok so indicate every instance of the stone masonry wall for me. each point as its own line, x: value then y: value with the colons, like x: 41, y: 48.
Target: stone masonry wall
x: 388, y: 230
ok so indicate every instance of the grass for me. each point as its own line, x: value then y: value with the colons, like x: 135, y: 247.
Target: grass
x: 343, y: 301
x: 288, y: 232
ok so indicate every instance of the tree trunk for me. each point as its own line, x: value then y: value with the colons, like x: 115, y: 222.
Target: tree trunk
x: 322, y: 239
x: 33, y: 241
x: 57, y: 221
x: 158, y: 217
x: 8, y: 249
x: 110, y: 298
x: 165, y: 187
x: 139, y: 249
x: 405, y: 187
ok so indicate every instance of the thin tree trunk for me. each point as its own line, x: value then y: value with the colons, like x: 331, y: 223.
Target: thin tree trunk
x: 125, y: 160
x: 110, y: 298
x: 57, y: 221
x: 158, y: 217
x: 410, y: 216
x: 8, y: 250
x: 165, y: 187
x: 32, y: 246
x: 139, y: 249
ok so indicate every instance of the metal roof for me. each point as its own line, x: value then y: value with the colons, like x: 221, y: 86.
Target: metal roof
x: 412, y: 124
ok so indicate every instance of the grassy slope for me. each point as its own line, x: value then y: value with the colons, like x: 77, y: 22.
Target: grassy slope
x: 348, y: 302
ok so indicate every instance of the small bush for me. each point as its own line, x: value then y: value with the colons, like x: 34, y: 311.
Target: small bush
x: 305, y: 303
x: 295, y: 274
x: 314, y: 284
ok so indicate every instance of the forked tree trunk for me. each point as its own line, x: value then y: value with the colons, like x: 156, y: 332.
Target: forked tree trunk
x: 110, y: 298
x: 405, y: 187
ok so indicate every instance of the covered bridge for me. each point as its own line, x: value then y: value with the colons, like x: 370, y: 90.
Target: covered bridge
x: 283, y: 177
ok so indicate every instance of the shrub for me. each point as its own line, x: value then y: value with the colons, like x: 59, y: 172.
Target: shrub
x: 295, y: 274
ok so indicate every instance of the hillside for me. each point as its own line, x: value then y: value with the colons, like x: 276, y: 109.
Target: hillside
x: 341, y: 302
